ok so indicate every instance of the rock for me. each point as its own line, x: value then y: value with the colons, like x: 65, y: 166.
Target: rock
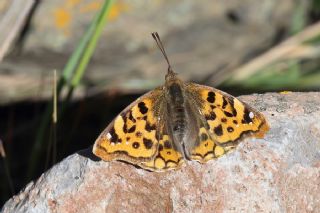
x: 280, y: 173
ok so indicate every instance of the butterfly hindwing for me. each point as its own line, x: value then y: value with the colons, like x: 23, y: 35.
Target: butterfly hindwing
x: 169, y: 156
x: 206, y: 148
x: 225, y: 120
x: 132, y: 135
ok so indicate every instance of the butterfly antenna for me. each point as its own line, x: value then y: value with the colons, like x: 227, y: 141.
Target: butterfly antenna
x: 156, y: 37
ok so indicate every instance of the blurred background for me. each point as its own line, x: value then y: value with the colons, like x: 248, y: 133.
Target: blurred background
x: 104, y: 58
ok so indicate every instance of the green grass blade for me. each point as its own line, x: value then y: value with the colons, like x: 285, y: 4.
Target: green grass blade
x: 74, y: 70
x: 92, y: 43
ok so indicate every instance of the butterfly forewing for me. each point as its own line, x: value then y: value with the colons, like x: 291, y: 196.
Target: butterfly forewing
x: 132, y: 135
x: 226, y: 121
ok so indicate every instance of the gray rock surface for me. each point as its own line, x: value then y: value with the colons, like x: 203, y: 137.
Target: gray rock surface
x: 280, y: 173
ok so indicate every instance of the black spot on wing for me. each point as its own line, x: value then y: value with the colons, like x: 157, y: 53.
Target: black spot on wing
x: 135, y: 145
x: 167, y: 144
x: 211, y: 116
x: 142, y: 107
x: 231, y: 102
x: 124, y: 128
x: 224, y: 104
x: 230, y: 129
x: 228, y: 114
x: 114, y: 136
x: 218, y: 130
x: 124, y: 117
x: 160, y: 147
x: 246, y: 116
x: 132, y: 129
x: 147, y: 143
x: 131, y: 117
x: 150, y: 127
x: 138, y: 134
x: 204, y: 137
x: 211, y: 97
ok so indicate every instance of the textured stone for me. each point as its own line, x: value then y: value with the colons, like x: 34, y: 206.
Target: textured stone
x: 280, y: 173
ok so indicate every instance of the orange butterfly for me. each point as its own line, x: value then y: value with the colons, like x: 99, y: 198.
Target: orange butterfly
x: 178, y: 121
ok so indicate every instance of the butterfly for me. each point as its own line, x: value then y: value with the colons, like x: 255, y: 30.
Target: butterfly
x: 176, y: 122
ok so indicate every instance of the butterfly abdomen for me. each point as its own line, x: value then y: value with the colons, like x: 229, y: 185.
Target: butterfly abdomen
x: 179, y: 121
x: 176, y: 109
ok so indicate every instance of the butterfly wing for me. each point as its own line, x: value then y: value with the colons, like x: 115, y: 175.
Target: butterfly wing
x: 224, y: 122
x: 169, y: 156
x: 131, y: 136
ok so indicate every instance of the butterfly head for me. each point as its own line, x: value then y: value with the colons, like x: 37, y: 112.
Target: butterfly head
x: 172, y: 78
